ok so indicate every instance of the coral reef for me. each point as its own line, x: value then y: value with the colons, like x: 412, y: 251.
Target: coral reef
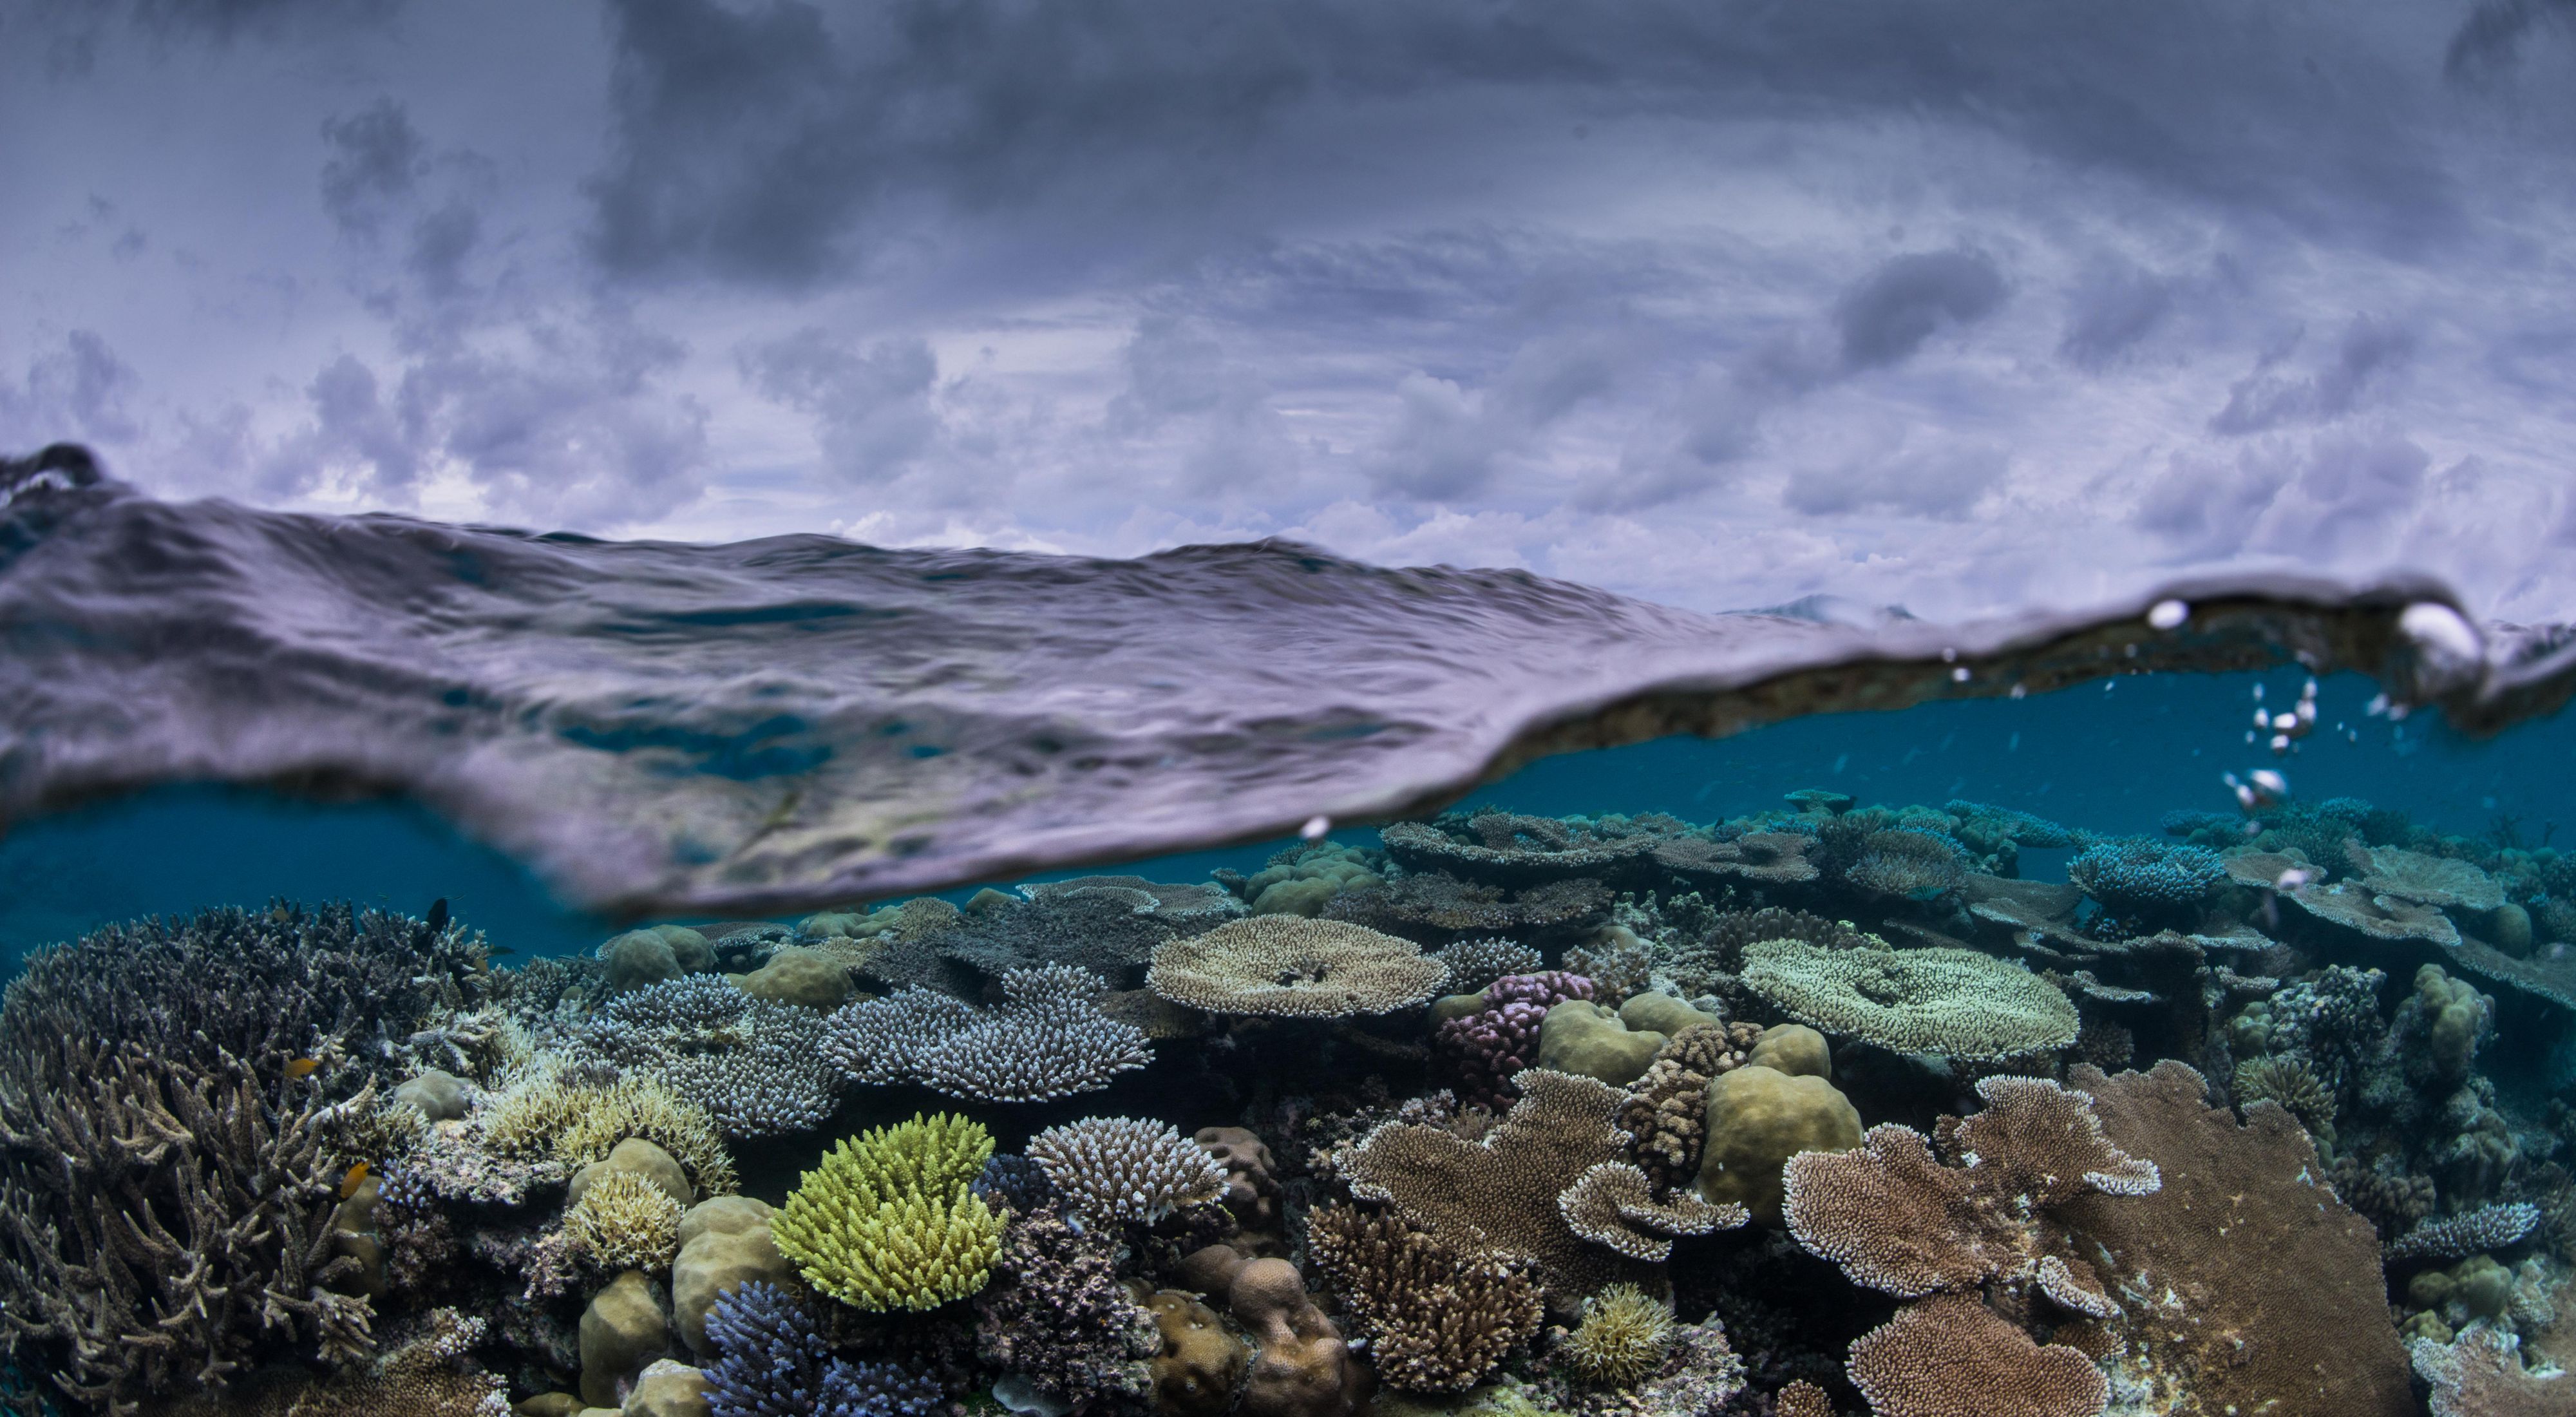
x: 1473, y: 964
x: 889, y: 1222
x: 2481, y: 1374
x: 1284, y: 965
x: 1954, y: 1003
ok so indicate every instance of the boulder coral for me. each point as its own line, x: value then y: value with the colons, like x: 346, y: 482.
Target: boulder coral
x: 1583, y: 1038
x: 1303, y: 1368
x: 724, y: 1243
x: 1756, y: 1120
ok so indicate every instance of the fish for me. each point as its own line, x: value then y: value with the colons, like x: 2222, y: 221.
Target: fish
x: 434, y: 926
x: 301, y: 1067
x: 350, y: 1183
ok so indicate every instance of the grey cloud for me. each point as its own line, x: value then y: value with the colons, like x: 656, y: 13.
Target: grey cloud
x: 376, y: 157
x: 75, y: 30
x: 2348, y: 499
x: 1938, y: 482
x: 74, y: 392
x: 2207, y: 507
x: 873, y: 406
x: 2114, y: 307
x: 1908, y: 299
x: 1449, y: 441
x: 2371, y: 352
x: 2493, y: 35
x: 440, y: 242
x: 761, y: 142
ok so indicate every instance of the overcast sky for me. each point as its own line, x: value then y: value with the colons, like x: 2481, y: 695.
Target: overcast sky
x: 1958, y: 305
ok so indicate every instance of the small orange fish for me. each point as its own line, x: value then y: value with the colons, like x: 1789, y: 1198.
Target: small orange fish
x: 350, y: 1183
x: 301, y: 1067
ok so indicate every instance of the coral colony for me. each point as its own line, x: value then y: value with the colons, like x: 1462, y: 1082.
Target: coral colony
x: 1822, y: 1109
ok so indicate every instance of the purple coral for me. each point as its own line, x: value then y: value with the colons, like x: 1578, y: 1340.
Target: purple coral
x: 772, y: 1362
x: 1489, y: 1046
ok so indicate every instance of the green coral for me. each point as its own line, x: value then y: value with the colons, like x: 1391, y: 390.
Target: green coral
x: 1624, y: 1335
x: 888, y: 1222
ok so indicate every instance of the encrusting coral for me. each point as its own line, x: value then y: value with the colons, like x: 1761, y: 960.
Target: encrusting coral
x: 1954, y: 1003
x: 889, y: 1220
x: 1292, y: 967
x: 1437, y: 1320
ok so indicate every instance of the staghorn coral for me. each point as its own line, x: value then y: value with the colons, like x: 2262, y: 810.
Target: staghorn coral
x: 2480, y: 1231
x: 1437, y: 1320
x: 753, y: 1065
x: 2139, y: 875
x: 165, y: 1189
x: 1499, y: 1195
x: 2248, y: 1283
x: 1950, y: 1356
x: 427, y: 1369
x: 888, y: 1220
x: 1623, y: 1336
x: 881, y: 1040
x: 1125, y: 1168
x: 1614, y: 1205
x: 1499, y: 1036
x: 1057, y: 1318
x: 1951, y: 1002
x: 625, y: 1222
x: 1289, y: 966
x: 2481, y: 1374
x: 1473, y: 964
x: 772, y: 1361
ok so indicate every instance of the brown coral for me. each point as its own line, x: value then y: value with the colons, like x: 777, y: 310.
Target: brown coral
x: 1802, y: 1398
x: 1436, y: 1320
x: 2262, y: 1292
x: 1290, y: 966
x: 1303, y: 1369
x: 1951, y: 1357
x: 1613, y: 1204
x: 1663, y: 1114
x: 1500, y: 1195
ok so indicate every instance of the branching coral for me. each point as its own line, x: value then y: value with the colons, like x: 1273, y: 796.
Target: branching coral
x: 1500, y: 1036
x: 1955, y: 1003
x: 1664, y: 1115
x: 1437, y: 1320
x: 577, y: 1122
x: 2292, y: 1084
x: 166, y: 1091
x: 752, y: 1064
x: 2480, y: 1231
x: 772, y: 1361
x: 1623, y: 1336
x: 1049, y: 1039
x: 1289, y: 966
x: 1907, y: 863
x: 1473, y: 964
x: 1124, y: 1168
x: 889, y: 1221
x: 1056, y: 1316
x: 624, y: 1221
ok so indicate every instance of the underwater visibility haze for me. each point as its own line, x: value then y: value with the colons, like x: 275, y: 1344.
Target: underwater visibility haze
x: 461, y: 971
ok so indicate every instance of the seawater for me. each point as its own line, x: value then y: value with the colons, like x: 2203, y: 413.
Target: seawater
x: 668, y: 818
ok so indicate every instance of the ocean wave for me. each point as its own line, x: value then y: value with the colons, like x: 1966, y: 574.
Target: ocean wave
x: 795, y: 721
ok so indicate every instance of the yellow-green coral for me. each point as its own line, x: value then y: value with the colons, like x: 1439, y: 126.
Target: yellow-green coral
x: 625, y: 1222
x: 888, y: 1222
x: 1623, y: 1337
x: 540, y: 1114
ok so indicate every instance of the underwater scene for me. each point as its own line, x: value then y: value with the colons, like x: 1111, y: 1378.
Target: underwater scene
x: 2171, y: 1010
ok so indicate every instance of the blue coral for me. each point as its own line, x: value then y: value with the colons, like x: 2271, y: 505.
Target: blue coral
x: 2143, y: 875
x: 772, y: 1362
x: 1016, y: 1182
x: 2024, y: 829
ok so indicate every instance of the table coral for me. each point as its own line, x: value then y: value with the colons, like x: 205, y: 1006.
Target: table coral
x: 1614, y: 1205
x: 1508, y: 849
x: 2451, y: 1237
x: 1434, y: 905
x: 1499, y: 1195
x: 1955, y: 1003
x: 1908, y: 864
x: 1950, y: 1356
x: 753, y: 1064
x: 1289, y: 966
x: 888, y: 1220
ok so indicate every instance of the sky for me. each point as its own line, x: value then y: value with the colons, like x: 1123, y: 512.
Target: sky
x: 1963, y: 305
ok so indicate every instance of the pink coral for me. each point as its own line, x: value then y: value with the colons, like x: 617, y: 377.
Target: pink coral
x: 1489, y: 1046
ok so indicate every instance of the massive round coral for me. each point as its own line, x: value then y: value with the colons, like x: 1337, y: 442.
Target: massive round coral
x: 1952, y: 1002
x: 1290, y: 966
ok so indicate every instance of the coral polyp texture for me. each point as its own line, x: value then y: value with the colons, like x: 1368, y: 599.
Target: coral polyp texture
x: 1953, y: 1003
x: 1291, y: 967
x: 890, y: 1219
